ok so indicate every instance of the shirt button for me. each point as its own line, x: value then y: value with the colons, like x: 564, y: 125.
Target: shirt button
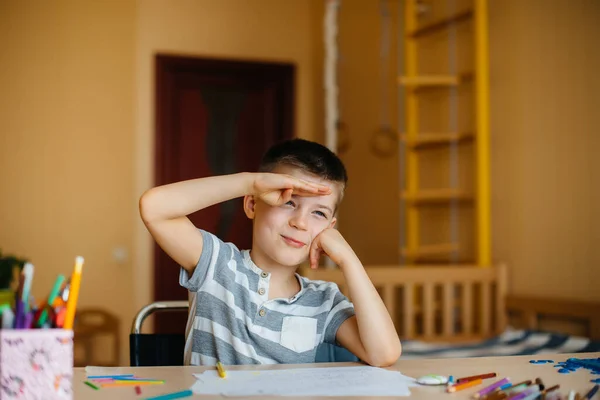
x: 262, y: 312
x: 261, y: 291
x: 264, y: 274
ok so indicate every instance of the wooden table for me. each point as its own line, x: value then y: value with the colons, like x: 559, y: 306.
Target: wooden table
x: 517, y: 368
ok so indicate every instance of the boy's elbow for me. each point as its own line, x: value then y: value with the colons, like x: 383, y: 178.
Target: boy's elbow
x: 146, y: 207
x: 387, y: 358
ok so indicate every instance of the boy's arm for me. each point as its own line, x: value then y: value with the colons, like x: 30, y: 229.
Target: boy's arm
x: 164, y: 209
x: 370, y: 334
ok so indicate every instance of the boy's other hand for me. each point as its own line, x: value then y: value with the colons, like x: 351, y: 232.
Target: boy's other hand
x: 277, y: 189
x: 330, y: 242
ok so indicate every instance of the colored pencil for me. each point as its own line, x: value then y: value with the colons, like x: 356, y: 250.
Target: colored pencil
x: 491, y: 388
x: 110, y: 376
x: 526, y: 393
x: 471, y: 378
x: 172, y: 396
x: 464, y: 385
x: 134, y: 379
x: 516, y: 387
x: 551, y: 389
x: 592, y: 392
x: 130, y: 383
x: 90, y: 384
x: 540, y: 382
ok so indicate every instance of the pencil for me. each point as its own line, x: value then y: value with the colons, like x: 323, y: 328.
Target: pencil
x: 170, y: 396
x: 491, y: 388
x: 221, y: 370
x: 90, y: 384
x: 497, y: 394
x: 129, y: 383
x: 541, y: 383
x: 464, y: 385
x: 135, y: 379
x: 592, y: 392
x: 73, y: 294
x: 471, y: 378
x: 550, y: 389
x: 516, y: 386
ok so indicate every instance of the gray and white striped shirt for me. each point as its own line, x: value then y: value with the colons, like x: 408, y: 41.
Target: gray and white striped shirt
x: 232, y: 320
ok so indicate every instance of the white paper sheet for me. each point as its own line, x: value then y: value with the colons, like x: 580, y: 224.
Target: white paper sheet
x: 93, y: 370
x: 336, y: 381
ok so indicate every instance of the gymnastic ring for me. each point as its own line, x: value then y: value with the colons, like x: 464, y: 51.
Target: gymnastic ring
x: 384, y: 133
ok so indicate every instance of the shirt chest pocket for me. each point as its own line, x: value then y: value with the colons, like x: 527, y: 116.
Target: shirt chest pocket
x: 299, y: 334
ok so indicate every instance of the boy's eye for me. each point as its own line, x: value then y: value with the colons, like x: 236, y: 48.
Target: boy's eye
x: 321, y: 214
x: 289, y: 203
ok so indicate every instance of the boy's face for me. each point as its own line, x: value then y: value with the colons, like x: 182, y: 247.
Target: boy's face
x: 283, y: 234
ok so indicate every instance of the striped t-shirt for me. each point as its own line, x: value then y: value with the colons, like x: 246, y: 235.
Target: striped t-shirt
x: 232, y: 320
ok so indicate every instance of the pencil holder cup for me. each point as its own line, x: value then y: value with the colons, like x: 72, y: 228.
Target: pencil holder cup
x: 36, y: 364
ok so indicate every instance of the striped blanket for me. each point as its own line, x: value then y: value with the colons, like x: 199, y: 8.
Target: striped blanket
x: 510, y: 343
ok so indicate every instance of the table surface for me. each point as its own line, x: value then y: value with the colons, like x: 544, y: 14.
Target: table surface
x: 518, y: 368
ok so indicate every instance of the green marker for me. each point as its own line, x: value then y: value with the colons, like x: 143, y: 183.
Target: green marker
x: 44, y: 316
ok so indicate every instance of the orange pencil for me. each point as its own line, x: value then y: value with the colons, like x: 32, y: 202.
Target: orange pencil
x: 464, y: 385
x: 470, y: 378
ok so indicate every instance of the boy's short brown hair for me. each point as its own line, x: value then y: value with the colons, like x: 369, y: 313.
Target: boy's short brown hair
x: 308, y: 156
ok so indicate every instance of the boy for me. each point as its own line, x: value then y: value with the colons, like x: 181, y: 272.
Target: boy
x: 250, y: 307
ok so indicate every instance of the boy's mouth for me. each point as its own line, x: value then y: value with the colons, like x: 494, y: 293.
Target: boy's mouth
x: 293, y: 242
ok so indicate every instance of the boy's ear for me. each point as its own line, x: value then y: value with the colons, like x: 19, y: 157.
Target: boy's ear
x: 249, y: 204
x: 333, y: 222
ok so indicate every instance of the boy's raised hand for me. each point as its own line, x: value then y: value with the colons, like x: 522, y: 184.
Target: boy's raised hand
x: 331, y: 242
x: 277, y: 189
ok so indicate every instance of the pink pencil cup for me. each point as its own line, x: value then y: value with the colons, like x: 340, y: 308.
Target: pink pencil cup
x: 36, y: 364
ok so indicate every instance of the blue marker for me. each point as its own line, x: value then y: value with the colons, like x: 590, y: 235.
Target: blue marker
x: 109, y: 376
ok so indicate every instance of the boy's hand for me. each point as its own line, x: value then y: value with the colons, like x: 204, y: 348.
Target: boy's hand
x: 331, y: 242
x: 277, y: 189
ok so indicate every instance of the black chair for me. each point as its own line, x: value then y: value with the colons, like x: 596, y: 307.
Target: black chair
x: 152, y: 350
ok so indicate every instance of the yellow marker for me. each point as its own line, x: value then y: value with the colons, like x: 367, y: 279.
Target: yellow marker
x: 73, y: 293
x: 221, y: 370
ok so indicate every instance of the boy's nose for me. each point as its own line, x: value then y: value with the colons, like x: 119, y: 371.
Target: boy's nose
x: 298, y: 222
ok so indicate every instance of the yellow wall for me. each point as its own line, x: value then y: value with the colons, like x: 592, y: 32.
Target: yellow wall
x: 545, y: 97
x: 66, y: 143
x: 369, y: 214
x: 77, y: 117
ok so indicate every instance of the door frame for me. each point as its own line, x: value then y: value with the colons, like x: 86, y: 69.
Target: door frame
x: 166, y: 68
